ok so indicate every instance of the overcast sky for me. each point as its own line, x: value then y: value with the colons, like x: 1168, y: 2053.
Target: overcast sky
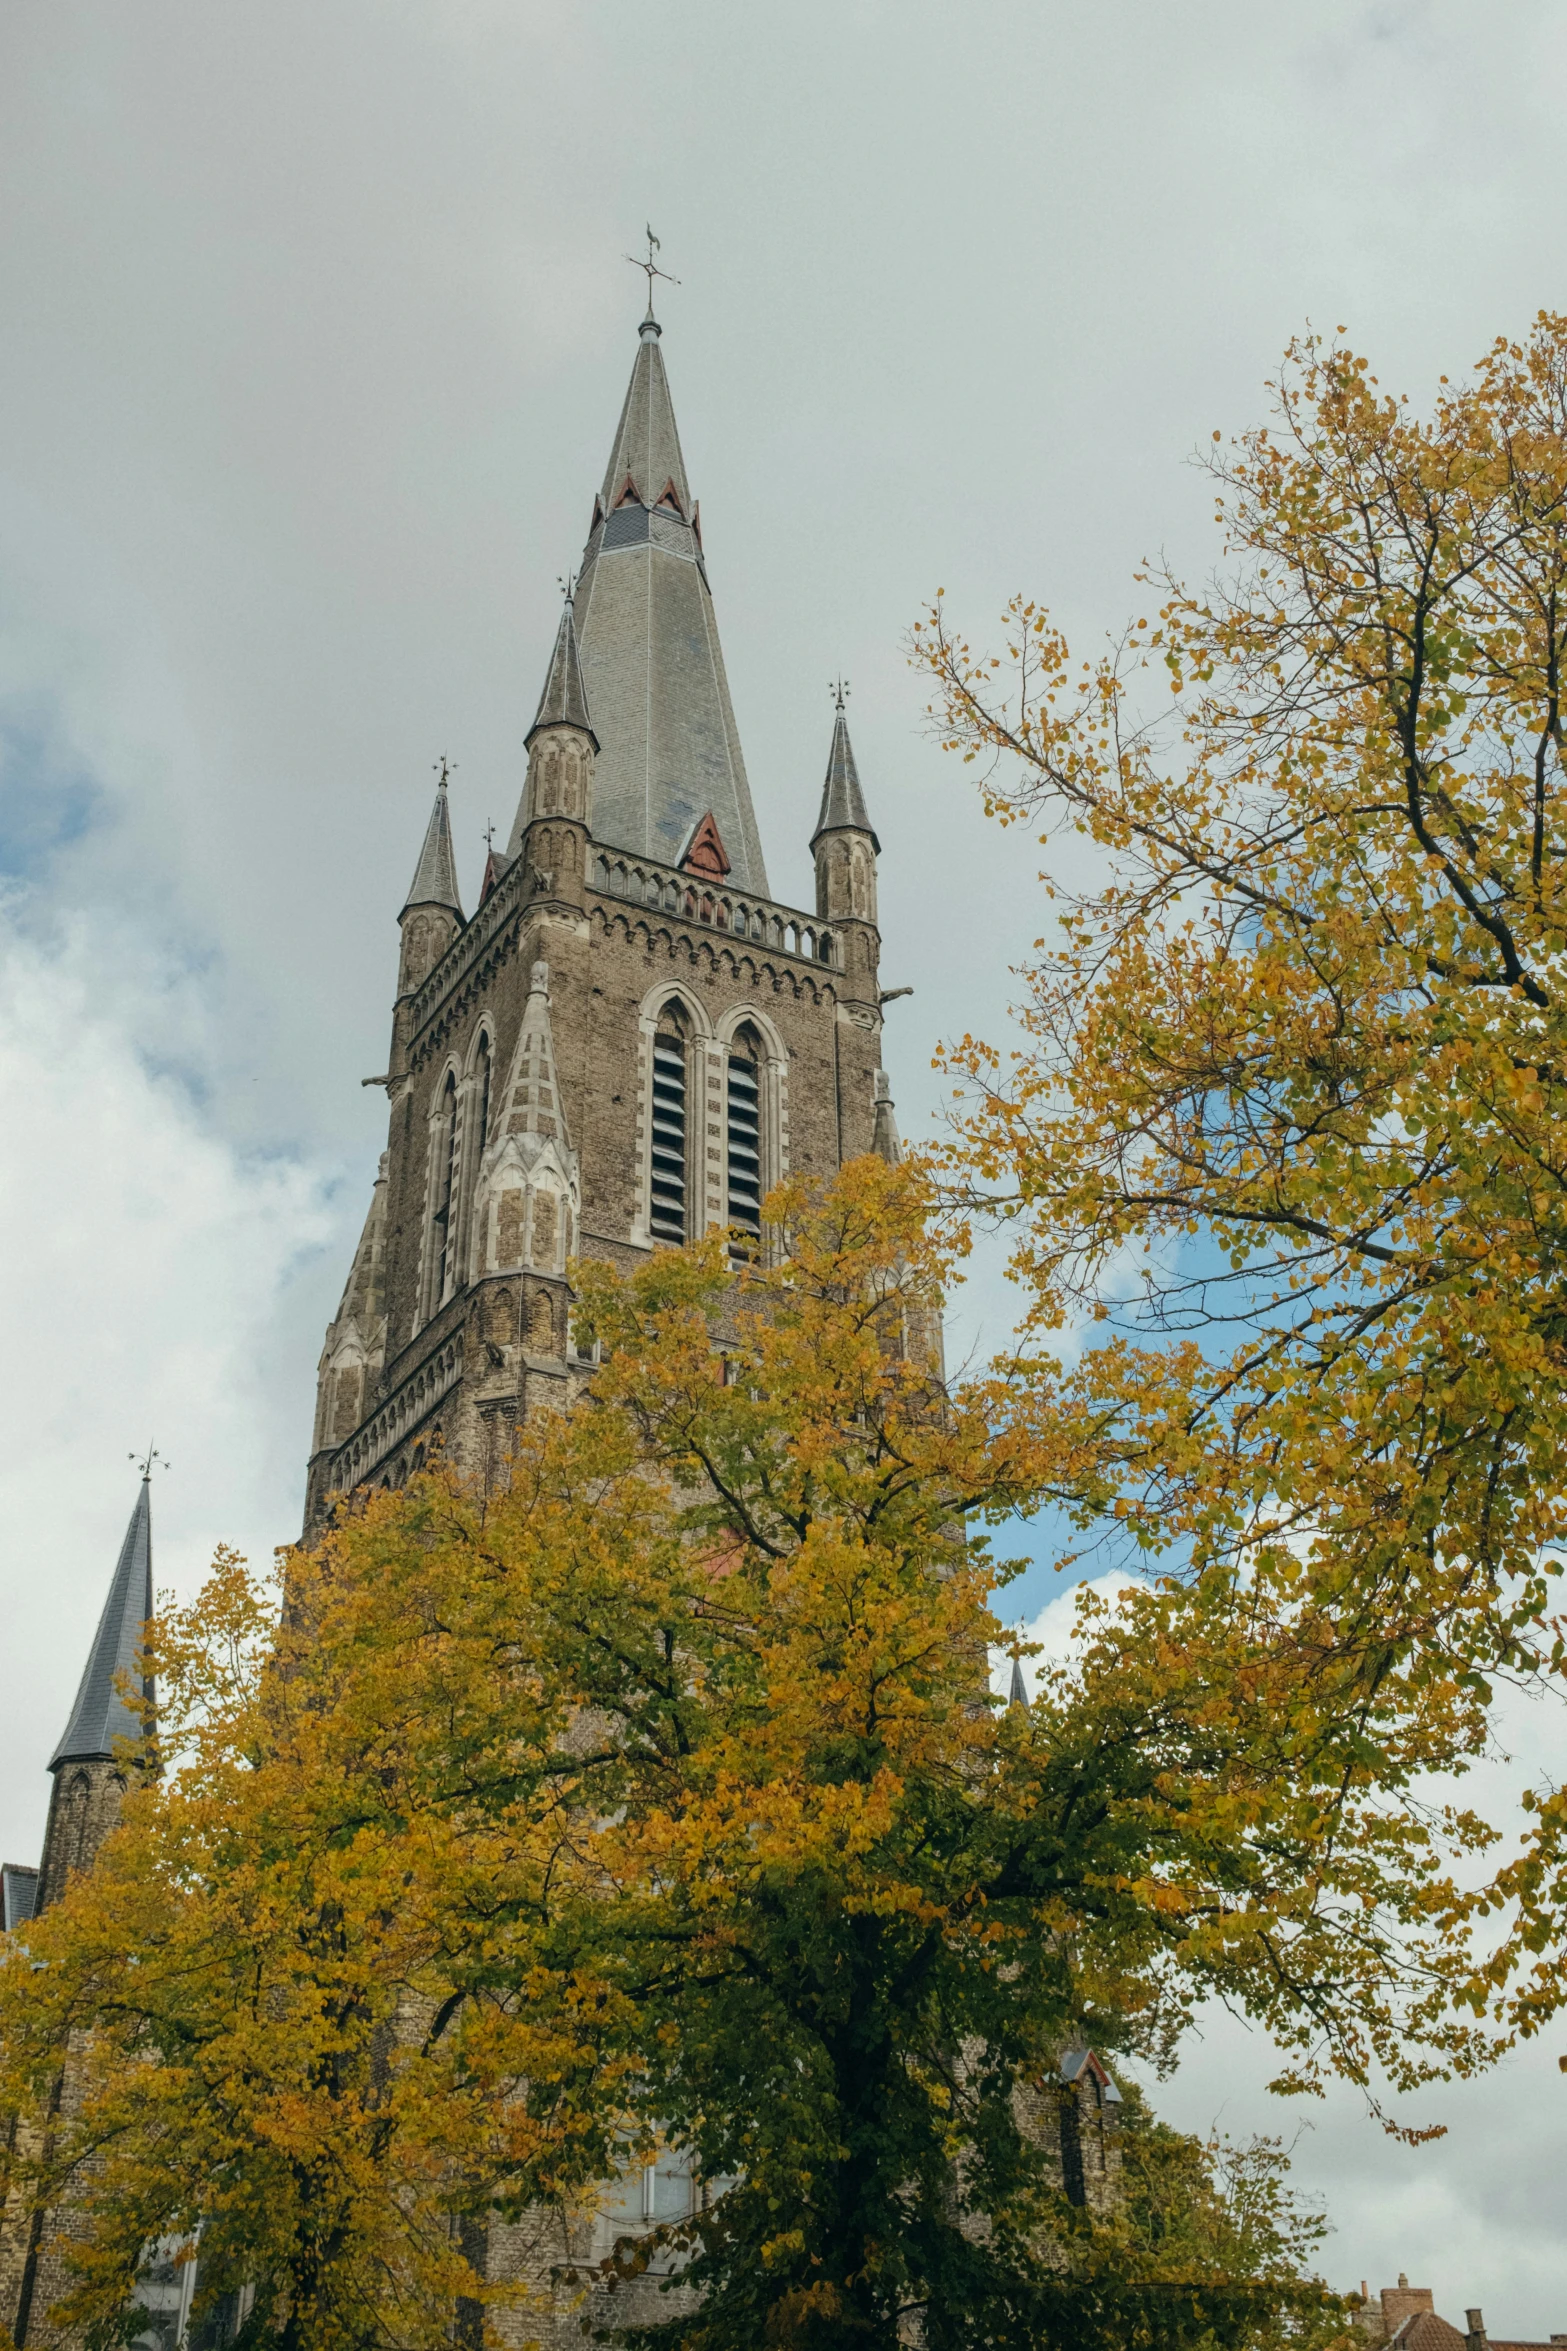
x: 316, y: 324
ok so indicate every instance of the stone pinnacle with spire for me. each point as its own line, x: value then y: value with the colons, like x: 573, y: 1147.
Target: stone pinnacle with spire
x: 884, y: 1135
x: 843, y: 807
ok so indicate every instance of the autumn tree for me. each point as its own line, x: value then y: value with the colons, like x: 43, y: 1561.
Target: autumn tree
x: 660, y: 1802
x: 1288, y: 1116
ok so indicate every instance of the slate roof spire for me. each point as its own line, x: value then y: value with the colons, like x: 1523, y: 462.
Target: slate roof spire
x: 843, y: 802
x: 564, y: 701
x: 435, y: 875
x: 651, y: 663
x: 100, y: 1715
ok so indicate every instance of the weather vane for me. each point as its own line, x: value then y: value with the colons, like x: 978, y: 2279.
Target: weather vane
x: 838, y: 688
x: 444, y: 769
x: 144, y: 1461
x: 489, y: 836
x: 566, y: 581
x: 650, y: 268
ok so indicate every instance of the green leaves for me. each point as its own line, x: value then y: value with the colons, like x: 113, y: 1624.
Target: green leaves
x: 1305, y: 1050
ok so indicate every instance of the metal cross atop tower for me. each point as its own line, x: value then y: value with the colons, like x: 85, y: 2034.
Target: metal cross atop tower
x: 650, y: 269
x: 444, y: 769
x: 838, y: 688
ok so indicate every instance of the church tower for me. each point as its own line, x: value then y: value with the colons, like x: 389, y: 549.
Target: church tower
x: 630, y: 1041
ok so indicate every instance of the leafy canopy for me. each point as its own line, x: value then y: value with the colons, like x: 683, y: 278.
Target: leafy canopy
x: 659, y: 1801
x: 1291, y: 1110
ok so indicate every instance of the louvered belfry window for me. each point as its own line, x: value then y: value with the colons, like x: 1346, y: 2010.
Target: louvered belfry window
x: 745, y: 1136
x: 668, y: 1215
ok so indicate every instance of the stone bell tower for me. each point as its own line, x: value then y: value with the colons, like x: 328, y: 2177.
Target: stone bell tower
x: 630, y: 1040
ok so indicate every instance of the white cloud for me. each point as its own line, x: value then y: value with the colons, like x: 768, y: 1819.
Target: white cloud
x: 148, y: 1266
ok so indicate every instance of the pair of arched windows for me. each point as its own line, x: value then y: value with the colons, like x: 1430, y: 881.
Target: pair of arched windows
x: 677, y: 1164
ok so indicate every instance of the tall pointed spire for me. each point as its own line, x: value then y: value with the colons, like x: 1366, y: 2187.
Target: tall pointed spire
x: 564, y: 701
x: 843, y: 803
x: 647, y: 440
x: 435, y: 875
x: 101, y: 1715
x: 1017, y: 1695
x: 653, y: 669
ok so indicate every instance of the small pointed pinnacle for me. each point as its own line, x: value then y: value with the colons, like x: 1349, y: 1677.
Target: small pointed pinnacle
x: 884, y: 1133
x: 843, y: 807
x: 564, y: 701
x: 435, y: 875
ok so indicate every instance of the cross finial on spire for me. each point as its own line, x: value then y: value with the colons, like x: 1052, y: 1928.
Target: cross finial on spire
x: 489, y: 835
x: 444, y: 769
x: 566, y: 581
x: 144, y: 1462
x: 650, y: 268
x: 838, y: 688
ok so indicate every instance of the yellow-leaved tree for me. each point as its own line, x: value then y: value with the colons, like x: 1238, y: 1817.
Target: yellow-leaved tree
x: 660, y: 1802
x: 1290, y: 1113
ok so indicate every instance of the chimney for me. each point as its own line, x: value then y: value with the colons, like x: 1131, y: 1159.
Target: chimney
x: 1475, y: 2340
x: 1403, y: 2301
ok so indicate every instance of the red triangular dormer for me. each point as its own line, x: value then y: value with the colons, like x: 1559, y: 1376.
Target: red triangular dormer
x: 494, y: 867
x: 670, y: 496
x: 629, y: 494
x: 705, y: 851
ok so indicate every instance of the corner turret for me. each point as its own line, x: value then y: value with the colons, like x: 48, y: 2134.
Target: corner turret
x: 844, y: 844
x: 551, y: 827
x: 431, y: 919
x: 845, y: 848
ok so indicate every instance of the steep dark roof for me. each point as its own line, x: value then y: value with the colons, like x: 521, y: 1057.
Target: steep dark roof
x: 100, y: 1715
x: 1424, y: 2331
x: 564, y: 701
x: 435, y: 875
x: 652, y: 665
x: 843, y: 803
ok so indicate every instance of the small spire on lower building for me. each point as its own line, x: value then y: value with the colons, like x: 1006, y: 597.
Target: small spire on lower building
x: 101, y: 1714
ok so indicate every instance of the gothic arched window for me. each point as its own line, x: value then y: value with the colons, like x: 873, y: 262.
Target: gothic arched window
x: 443, y: 1170
x: 744, y: 1135
x: 668, y: 1213
x: 481, y: 1096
